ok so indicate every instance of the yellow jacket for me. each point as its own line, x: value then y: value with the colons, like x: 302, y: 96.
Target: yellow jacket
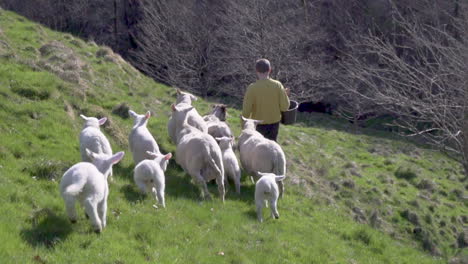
x: 265, y: 100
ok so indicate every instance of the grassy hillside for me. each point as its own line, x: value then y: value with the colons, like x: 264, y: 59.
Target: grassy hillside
x: 363, y: 197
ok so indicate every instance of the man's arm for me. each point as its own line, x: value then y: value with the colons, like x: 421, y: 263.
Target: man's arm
x: 284, y: 100
x: 248, y: 103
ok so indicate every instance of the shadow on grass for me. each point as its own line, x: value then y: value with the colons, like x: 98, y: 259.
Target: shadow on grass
x: 125, y: 173
x: 47, y: 229
x: 251, y: 214
x: 131, y: 193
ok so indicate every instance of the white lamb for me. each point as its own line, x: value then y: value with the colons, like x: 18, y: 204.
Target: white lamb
x: 266, y: 190
x: 231, y: 166
x: 215, y: 122
x: 149, y: 175
x: 200, y: 156
x: 140, y: 140
x: 87, y: 183
x: 191, y: 116
x: 183, y: 98
x: 258, y: 153
x: 93, y: 139
x: 218, y: 113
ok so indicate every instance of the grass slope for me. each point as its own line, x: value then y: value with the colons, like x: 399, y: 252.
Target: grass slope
x: 350, y: 198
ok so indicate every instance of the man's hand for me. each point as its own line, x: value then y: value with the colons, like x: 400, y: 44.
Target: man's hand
x: 288, y: 92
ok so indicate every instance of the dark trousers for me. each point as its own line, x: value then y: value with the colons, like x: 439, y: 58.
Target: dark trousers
x: 269, y: 131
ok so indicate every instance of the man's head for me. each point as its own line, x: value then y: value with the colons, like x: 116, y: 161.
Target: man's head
x: 262, y: 66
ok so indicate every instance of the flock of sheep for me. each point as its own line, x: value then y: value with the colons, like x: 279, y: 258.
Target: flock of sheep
x: 204, y: 150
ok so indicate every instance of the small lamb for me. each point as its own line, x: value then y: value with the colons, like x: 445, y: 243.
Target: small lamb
x: 215, y: 122
x: 87, y: 182
x: 149, y: 175
x: 93, y: 139
x: 140, y: 140
x: 184, y: 97
x: 231, y: 165
x: 266, y: 190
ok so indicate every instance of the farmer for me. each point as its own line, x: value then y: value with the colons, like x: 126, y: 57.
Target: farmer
x: 264, y: 100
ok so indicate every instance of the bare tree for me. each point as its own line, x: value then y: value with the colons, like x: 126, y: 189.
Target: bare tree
x: 418, y: 72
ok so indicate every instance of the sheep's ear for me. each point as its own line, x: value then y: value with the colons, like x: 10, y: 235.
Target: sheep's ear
x: 193, y: 97
x: 102, y: 121
x: 90, y: 154
x: 148, y: 115
x: 84, y: 117
x: 132, y: 113
x: 152, y: 154
x: 243, y: 118
x: 258, y: 121
x: 262, y: 173
x: 117, y: 157
x: 168, y: 156
x: 178, y: 91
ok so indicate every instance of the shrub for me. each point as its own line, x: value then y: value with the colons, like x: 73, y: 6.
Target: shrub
x: 405, y: 173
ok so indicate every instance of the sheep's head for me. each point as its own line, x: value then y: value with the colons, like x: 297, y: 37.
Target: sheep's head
x: 104, y: 162
x: 219, y: 110
x: 161, y: 159
x: 183, y: 97
x: 139, y: 120
x: 93, y: 121
x: 248, y: 123
x: 225, y: 142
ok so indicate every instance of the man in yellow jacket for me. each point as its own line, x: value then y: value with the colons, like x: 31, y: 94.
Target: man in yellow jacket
x: 264, y: 100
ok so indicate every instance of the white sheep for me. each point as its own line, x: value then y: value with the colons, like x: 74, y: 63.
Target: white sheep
x: 140, y: 139
x: 192, y: 117
x: 93, y: 139
x: 266, y: 190
x: 200, y: 156
x: 183, y: 98
x: 231, y: 166
x: 218, y: 113
x: 258, y: 153
x: 149, y: 175
x: 215, y: 122
x: 87, y: 183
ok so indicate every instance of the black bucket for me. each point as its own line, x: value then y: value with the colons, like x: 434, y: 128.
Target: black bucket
x: 289, y: 117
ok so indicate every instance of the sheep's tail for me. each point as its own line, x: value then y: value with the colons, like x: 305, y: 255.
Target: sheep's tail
x: 280, y: 177
x: 216, y: 163
x: 280, y: 164
x: 74, y: 189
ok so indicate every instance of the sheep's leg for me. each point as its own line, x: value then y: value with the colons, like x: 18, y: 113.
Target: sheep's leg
x: 204, y: 188
x: 111, y: 175
x: 155, y: 194
x: 259, y: 210
x: 237, y: 184
x: 70, y: 207
x: 221, y: 189
x: 280, y: 188
x: 160, y: 194
x: 102, y: 210
x: 274, y: 209
x: 91, y: 211
x: 252, y: 179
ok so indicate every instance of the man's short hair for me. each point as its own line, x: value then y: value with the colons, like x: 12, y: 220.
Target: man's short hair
x: 262, y: 66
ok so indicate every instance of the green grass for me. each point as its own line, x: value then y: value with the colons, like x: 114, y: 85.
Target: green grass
x: 344, y: 200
